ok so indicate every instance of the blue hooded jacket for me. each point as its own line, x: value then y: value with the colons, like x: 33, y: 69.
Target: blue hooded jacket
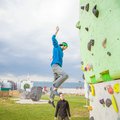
x: 57, y: 52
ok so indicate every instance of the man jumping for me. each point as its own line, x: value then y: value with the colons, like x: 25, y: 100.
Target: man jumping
x: 57, y: 60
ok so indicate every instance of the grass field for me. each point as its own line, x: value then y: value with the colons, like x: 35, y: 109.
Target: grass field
x: 9, y: 110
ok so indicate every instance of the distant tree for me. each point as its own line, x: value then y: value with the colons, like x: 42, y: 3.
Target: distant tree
x: 26, y: 86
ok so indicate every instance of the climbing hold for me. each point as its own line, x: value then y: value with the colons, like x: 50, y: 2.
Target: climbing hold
x: 92, y: 89
x: 82, y: 7
x: 102, y: 101
x: 105, y: 75
x: 110, y: 89
x: 116, y: 87
x: 83, y: 76
x: 82, y: 62
x: 108, y: 102
x: 108, y: 53
x: 95, y: 11
x: 104, y: 43
x: 86, y: 28
x: 90, y: 108
x: 82, y: 68
x: 89, y: 67
x: 93, y: 79
x: 114, y: 104
x: 85, y: 68
x: 92, y: 42
x: 78, y: 25
x: 87, y: 7
x: 92, y: 118
x: 89, y: 46
x: 105, y: 88
x: 89, y: 87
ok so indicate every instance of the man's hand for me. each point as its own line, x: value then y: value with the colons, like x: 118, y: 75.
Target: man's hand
x: 55, y: 118
x: 69, y: 118
x: 57, y: 29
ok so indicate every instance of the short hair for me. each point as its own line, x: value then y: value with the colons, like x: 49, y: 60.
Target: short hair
x: 60, y: 93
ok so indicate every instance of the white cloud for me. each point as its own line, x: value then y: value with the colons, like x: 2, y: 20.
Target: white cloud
x: 28, y: 15
x: 27, y: 27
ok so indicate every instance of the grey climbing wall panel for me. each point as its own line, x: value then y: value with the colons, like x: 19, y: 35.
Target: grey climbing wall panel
x: 102, y: 111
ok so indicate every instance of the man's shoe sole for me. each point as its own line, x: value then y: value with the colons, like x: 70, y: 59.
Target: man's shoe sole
x: 52, y: 103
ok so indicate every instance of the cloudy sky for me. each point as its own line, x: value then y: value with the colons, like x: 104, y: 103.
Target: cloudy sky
x: 26, y: 27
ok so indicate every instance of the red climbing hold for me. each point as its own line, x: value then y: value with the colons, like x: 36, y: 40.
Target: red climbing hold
x: 110, y: 89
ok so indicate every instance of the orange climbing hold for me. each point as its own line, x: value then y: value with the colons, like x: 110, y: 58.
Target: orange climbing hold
x: 90, y: 108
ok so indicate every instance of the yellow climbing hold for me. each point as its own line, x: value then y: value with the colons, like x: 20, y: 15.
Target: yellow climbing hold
x: 90, y: 108
x: 82, y: 68
x: 92, y: 89
x: 116, y: 88
x: 114, y: 104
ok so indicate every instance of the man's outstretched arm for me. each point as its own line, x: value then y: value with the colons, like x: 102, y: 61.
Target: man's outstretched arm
x: 54, y: 40
x: 57, y: 29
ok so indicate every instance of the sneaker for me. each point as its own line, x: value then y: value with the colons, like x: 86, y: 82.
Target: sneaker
x: 52, y: 103
x: 55, y: 92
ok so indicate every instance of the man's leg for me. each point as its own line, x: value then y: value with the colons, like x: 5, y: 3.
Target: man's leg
x: 56, y: 76
x: 53, y: 91
x: 66, y: 118
x: 59, y: 118
x: 62, y: 76
x: 59, y: 77
x: 60, y: 80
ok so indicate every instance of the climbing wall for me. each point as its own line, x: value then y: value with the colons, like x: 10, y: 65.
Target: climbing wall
x: 99, y: 26
x: 105, y: 101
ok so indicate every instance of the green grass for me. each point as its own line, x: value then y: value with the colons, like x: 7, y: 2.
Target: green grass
x: 9, y: 110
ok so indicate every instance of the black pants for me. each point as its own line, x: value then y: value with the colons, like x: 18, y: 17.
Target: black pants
x: 60, y: 118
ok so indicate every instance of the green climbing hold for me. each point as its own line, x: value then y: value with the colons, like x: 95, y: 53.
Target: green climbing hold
x: 87, y: 7
x: 78, y: 25
x: 108, y: 53
x: 91, y: 43
x: 89, y: 46
x: 86, y: 28
x: 82, y: 7
x: 105, y: 75
x: 95, y: 11
x: 82, y: 62
x: 104, y: 43
x: 93, y: 79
